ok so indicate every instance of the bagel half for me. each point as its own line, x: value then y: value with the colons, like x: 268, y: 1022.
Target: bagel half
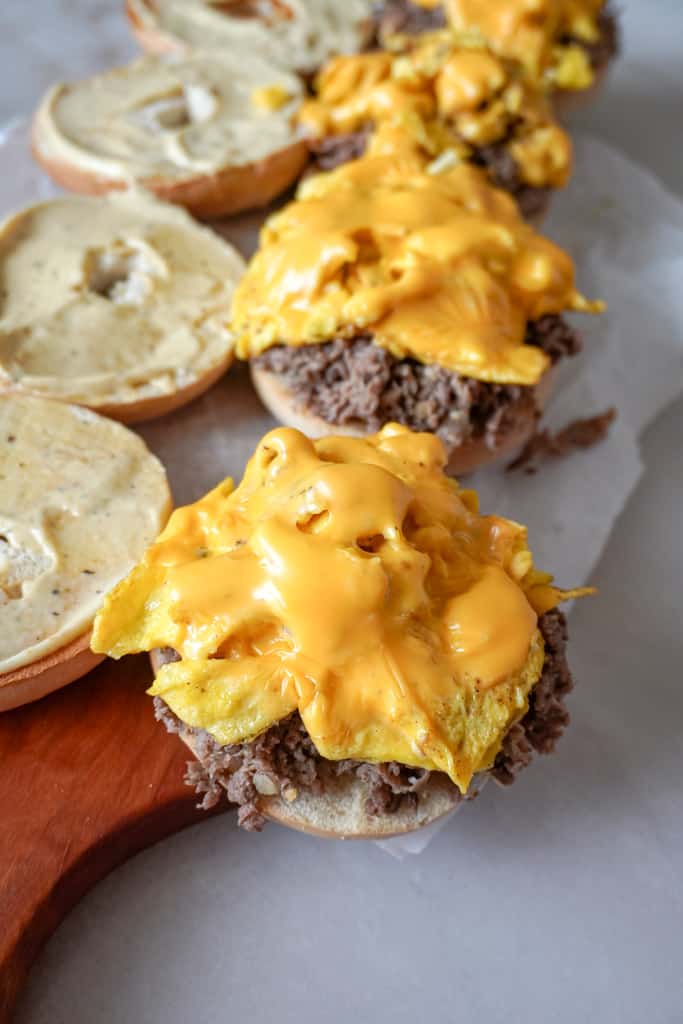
x: 473, y: 454
x: 118, y: 304
x: 197, y: 130
x: 81, y: 500
x: 339, y: 811
x: 296, y: 34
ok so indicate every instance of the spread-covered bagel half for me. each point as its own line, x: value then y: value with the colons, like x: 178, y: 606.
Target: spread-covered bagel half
x: 386, y: 293
x: 295, y: 34
x: 81, y: 497
x: 566, y: 44
x: 343, y: 640
x: 445, y: 103
x: 213, y: 132
x: 119, y: 303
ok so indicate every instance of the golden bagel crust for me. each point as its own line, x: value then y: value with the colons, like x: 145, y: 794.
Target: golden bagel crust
x: 229, y: 191
x: 339, y: 811
x: 462, y: 460
x: 31, y: 682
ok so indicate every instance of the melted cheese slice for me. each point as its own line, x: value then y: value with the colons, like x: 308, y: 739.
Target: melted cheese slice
x: 442, y: 98
x: 531, y: 31
x: 296, y: 34
x: 353, y: 581
x: 109, y: 301
x: 80, y: 499
x: 174, y: 118
x: 438, y: 267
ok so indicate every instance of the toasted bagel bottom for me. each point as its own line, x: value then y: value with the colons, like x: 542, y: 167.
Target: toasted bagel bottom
x: 31, y: 682
x: 339, y: 811
x: 463, y: 459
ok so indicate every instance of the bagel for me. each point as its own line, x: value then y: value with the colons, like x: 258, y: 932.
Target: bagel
x: 117, y: 303
x: 383, y: 293
x: 212, y: 132
x: 295, y: 34
x: 440, y: 102
x: 567, y: 45
x: 81, y: 499
x: 344, y: 643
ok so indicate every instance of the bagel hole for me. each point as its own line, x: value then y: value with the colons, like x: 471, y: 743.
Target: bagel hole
x: 111, y: 274
x: 192, y: 104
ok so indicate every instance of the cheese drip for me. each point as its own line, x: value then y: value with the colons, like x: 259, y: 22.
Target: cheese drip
x: 350, y: 580
x: 439, y: 267
x: 534, y: 32
x: 441, y: 98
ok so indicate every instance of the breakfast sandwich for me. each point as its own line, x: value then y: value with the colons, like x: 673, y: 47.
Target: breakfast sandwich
x: 212, y: 132
x: 298, y: 35
x: 81, y: 497
x: 566, y: 44
x: 118, y: 303
x: 447, y: 104
x: 387, y: 293
x: 344, y: 641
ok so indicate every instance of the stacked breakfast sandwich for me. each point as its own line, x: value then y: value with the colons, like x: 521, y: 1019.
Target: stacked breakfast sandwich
x: 344, y: 642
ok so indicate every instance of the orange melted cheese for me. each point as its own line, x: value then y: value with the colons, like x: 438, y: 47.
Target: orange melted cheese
x: 531, y: 31
x: 350, y: 580
x: 439, y: 267
x: 440, y: 98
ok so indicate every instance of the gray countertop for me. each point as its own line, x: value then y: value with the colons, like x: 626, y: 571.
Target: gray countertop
x: 559, y: 900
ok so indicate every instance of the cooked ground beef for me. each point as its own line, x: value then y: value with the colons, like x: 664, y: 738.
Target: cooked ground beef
x: 503, y: 170
x: 284, y: 760
x: 547, y: 717
x: 401, y: 17
x: 583, y: 433
x: 358, y: 381
x: 601, y: 52
x: 332, y: 151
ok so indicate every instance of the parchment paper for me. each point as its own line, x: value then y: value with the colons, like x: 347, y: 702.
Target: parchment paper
x: 625, y: 233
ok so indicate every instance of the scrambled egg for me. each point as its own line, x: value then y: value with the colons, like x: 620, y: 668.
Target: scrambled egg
x: 438, y: 97
x: 350, y: 580
x: 537, y: 33
x: 438, y: 267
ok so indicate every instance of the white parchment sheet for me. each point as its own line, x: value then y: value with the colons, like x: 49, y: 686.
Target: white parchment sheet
x: 625, y: 233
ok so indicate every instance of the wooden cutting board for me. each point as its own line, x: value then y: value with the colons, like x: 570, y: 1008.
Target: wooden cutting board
x: 87, y: 778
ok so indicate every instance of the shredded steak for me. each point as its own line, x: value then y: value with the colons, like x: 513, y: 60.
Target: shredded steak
x: 357, y: 381
x: 283, y: 759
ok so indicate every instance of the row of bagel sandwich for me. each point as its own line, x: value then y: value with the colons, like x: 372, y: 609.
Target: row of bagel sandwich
x: 401, y: 285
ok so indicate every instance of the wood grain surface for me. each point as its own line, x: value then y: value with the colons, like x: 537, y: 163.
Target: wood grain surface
x: 87, y: 778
